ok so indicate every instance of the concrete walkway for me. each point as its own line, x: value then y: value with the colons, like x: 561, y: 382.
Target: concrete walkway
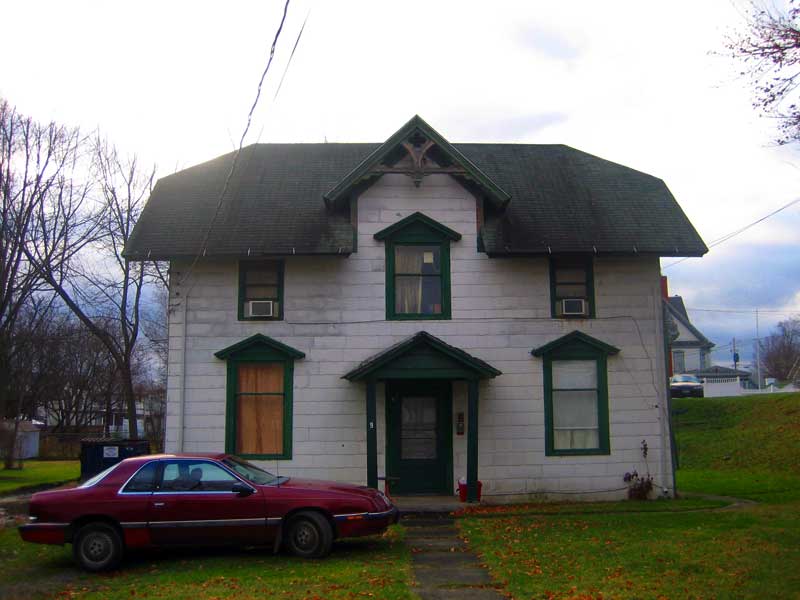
x: 444, y: 568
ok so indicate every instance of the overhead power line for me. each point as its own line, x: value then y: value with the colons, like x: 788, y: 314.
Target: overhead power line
x: 751, y: 311
x: 733, y: 234
x: 291, y: 56
x: 220, y: 201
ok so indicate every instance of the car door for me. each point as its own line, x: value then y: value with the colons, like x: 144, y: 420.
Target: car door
x: 194, y: 503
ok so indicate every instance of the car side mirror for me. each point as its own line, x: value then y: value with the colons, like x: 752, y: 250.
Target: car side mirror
x: 242, y: 490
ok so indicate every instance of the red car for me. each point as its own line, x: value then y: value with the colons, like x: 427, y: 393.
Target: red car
x: 182, y: 499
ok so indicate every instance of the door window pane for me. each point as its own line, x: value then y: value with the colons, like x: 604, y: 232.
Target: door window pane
x: 195, y: 476
x: 418, y: 428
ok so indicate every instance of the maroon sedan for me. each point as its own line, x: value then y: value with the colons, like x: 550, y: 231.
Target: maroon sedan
x: 182, y: 499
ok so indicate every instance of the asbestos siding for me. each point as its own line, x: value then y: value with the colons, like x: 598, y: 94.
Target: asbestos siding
x: 335, y: 311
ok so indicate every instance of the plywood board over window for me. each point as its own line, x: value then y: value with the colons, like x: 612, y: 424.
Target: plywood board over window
x: 259, y: 414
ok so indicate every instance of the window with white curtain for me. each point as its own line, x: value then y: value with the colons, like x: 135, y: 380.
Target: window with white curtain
x: 575, y: 406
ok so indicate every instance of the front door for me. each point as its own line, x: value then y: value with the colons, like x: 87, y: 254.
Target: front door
x: 419, y: 437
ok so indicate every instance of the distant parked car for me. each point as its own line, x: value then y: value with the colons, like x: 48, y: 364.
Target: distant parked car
x: 681, y: 386
x: 191, y: 500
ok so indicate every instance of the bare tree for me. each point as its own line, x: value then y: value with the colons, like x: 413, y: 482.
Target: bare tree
x: 769, y: 48
x: 37, y: 163
x: 101, y: 287
x: 780, y: 352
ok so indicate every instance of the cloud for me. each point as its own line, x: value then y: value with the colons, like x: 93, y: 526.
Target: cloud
x: 548, y: 43
x: 490, y: 127
x: 750, y: 276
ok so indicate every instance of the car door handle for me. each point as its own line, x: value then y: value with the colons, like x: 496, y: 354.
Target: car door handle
x: 159, y: 504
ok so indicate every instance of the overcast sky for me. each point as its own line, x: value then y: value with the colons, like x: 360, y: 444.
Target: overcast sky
x: 639, y: 83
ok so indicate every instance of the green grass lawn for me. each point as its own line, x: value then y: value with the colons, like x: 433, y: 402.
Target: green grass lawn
x: 747, y: 447
x: 374, y: 567
x: 37, y: 473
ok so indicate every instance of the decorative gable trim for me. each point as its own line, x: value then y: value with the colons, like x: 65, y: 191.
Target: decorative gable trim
x: 466, y: 364
x: 575, y: 342
x: 261, y: 345
x: 418, y: 219
x: 416, y: 139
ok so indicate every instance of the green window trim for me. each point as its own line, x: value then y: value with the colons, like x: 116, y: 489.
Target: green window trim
x: 576, y: 349
x: 418, y: 230
x: 244, y: 266
x: 259, y: 349
x: 585, y: 262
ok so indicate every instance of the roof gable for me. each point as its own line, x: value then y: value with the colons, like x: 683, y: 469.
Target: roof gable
x: 679, y: 313
x: 418, y: 224
x: 260, y: 345
x: 422, y: 356
x: 575, y: 341
x: 423, y: 144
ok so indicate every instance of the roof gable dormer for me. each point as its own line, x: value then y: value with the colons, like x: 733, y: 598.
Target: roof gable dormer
x: 416, y: 150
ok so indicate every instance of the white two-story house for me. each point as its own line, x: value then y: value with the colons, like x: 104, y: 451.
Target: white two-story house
x: 420, y: 311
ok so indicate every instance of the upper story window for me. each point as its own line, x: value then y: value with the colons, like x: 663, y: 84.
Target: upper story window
x: 572, y: 288
x: 261, y: 290
x: 418, y: 280
x: 417, y: 268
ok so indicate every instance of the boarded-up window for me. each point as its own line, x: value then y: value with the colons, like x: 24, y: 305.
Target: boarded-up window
x: 259, y: 408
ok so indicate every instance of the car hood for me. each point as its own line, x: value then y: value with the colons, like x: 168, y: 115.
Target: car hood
x: 685, y: 384
x: 327, y: 486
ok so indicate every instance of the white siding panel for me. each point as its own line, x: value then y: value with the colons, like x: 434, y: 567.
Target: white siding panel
x: 334, y: 312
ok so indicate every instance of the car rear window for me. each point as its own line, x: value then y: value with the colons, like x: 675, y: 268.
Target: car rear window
x: 144, y: 480
x: 98, y: 478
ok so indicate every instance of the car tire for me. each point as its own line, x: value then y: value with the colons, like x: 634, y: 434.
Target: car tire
x: 97, y: 547
x: 309, y: 535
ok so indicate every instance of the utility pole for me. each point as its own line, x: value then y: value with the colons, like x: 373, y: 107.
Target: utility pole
x: 758, y: 353
x: 735, y: 356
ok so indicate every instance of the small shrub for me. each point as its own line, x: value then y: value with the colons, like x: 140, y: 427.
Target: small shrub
x: 639, y: 486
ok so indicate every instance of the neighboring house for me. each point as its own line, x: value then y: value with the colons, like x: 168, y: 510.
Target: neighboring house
x: 691, y: 350
x: 719, y: 373
x: 419, y: 310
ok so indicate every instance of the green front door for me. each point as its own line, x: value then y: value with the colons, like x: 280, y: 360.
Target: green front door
x: 419, y: 437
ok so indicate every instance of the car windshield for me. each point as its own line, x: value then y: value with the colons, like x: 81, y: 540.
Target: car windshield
x: 98, y: 477
x: 250, y: 472
x: 685, y: 379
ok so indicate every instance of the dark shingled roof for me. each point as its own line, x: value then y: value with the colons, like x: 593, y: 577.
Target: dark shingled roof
x: 562, y: 200
x: 676, y: 302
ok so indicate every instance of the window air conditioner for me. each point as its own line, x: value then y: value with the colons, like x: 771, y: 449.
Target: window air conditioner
x: 259, y: 308
x: 573, y: 306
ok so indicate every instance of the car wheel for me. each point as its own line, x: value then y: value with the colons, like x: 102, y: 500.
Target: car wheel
x: 309, y: 535
x: 97, y: 547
